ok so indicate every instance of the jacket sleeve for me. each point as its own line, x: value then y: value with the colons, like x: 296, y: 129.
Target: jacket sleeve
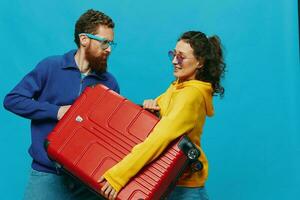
x: 181, y: 119
x: 116, y: 88
x: 22, y: 99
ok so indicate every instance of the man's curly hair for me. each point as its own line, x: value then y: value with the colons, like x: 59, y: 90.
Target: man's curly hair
x: 89, y: 22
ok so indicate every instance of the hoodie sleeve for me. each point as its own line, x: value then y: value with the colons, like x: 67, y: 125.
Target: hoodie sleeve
x: 21, y: 100
x: 181, y: 119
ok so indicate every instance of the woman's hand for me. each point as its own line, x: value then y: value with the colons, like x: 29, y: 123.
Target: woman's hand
x: 151, y: 104
x: 107, y: 190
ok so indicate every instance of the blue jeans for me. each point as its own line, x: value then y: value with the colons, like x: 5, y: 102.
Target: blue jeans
x: 187, y: 193
x: 47, y: 186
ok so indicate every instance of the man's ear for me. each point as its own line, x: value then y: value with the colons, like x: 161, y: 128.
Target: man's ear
x: 84, y: 40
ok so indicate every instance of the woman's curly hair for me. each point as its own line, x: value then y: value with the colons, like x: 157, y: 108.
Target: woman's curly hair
x: 207, y: 50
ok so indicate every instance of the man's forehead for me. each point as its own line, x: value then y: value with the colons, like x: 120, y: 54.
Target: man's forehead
x: 106, y: 32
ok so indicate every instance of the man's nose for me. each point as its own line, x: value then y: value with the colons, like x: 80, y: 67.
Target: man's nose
x: 108, y: 49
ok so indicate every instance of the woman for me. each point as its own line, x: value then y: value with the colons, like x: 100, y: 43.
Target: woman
x: 198, y: 68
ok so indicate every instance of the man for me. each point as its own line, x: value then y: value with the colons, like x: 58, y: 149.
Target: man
x: 46, y: 93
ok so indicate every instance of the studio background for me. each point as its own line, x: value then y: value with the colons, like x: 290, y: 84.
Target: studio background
x: 252, y: 142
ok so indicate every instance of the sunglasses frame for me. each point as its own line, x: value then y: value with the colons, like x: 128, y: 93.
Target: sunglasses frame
x: 104, y: 43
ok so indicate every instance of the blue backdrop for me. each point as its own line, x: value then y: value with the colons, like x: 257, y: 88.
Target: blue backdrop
x: 253, y: 142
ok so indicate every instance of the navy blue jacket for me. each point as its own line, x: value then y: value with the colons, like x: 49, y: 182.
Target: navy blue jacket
x: 56, y: 81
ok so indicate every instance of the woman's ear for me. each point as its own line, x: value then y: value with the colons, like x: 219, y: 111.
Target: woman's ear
x: 200, y: 64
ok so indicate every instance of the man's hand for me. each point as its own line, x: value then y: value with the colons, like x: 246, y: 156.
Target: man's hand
x: 107, y: 190
x: 151, y: 104
x: 62, y: 111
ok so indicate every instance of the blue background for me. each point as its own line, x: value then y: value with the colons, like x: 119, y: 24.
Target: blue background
x: 253, y: 141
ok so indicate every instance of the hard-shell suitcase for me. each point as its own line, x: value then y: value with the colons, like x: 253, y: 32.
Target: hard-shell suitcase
x: 99, y: 129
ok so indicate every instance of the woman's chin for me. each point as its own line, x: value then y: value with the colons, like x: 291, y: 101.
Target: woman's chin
x: 176, y: 74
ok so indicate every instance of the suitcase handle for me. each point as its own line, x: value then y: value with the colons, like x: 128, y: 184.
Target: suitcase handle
x: 155, y: 112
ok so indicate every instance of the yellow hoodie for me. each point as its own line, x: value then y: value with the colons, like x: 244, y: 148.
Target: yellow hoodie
x: 183, y: 108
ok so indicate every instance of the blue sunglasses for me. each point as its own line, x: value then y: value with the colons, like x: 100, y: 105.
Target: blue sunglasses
x: 104, y: 43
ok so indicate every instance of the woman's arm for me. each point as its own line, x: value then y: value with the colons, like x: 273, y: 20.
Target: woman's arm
x: 181, y: 119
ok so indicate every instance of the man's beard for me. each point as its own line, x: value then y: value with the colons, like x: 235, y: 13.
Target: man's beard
x: 97, y: 63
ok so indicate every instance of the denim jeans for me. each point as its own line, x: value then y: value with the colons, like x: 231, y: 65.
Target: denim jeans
x: 187, y: 193
x: 47, y: 186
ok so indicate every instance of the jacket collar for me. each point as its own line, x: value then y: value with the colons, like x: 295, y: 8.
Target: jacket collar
x: 69, y: 63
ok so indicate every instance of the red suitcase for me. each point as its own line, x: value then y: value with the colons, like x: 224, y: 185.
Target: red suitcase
x: 99, y: 129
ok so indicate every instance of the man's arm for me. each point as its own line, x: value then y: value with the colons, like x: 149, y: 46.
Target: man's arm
x: 21, y: 100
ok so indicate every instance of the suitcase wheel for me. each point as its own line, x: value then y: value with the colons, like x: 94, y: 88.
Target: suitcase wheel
x: 197, y: 166
x: 193, y: 154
